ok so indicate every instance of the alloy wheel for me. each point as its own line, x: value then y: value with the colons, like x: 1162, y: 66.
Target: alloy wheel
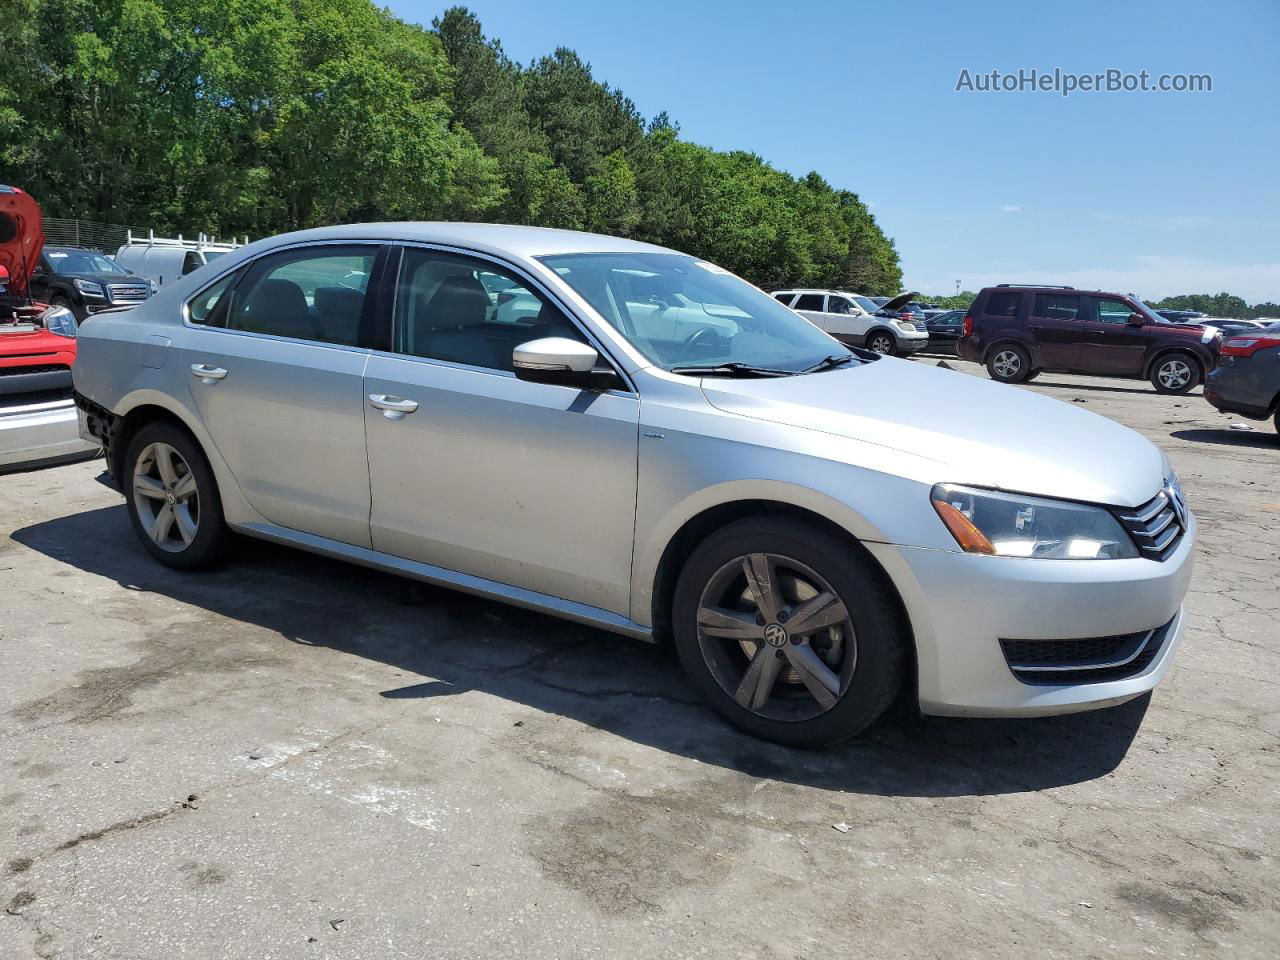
x: 777, y: 637
x: 166, y: 497
x: 1174, y: 374
x: 881, y: 344
x: 1006, y: 364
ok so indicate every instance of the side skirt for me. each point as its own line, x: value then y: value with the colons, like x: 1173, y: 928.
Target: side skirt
x: 439, y: 576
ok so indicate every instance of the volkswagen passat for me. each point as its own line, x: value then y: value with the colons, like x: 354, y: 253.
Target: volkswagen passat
x: 632, y: 438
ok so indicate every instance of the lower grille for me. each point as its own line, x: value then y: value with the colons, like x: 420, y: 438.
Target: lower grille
x: 1089, y: 660
x: 35, y: 396
x: 43, y: 368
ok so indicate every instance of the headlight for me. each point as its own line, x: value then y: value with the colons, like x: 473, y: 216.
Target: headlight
x: 90, y: 288
x: 59, y: 320
x: 1012, y: 525
x: 905, y: 325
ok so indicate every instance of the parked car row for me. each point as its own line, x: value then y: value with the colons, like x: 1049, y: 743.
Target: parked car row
x: 890, y: 327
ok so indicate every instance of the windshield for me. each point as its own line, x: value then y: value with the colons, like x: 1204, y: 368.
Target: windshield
x: 82, y: 261
x: 683, y: 312
x: 866, y: 303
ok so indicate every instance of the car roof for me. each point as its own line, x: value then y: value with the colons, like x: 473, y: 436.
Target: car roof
x: 1048, y: 288
x: 498, y: 238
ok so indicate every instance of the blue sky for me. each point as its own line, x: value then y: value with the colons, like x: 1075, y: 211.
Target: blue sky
x: 1154, y: 193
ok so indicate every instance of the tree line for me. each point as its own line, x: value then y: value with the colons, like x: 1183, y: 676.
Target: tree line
x: 260, y: 116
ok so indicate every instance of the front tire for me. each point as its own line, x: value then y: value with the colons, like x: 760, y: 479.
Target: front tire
x: 1009, y: 363
x: 1175, y: 373
x: 173, y: 498
x: 788, y: 632
x: 881, y: 341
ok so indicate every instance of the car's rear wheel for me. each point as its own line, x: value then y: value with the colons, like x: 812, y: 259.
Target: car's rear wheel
x: 1175, y: 373
x: 1009, y: 363
x: 173, y: 498
x: 881, y: 341
x: 788, y: 632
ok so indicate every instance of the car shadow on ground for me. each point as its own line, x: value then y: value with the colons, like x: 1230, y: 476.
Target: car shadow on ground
x: 458, y: 643
x: 1259, y: 436
x: 1108, y: 388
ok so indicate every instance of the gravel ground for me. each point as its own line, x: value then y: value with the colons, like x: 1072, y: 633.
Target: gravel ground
x: 295, y: 758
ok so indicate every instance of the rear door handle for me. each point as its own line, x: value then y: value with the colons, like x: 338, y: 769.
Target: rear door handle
x: 208, y: 373
x: 393, y: 408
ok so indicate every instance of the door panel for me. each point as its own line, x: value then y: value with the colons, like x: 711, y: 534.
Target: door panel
x: 1056, y: 328
x: 528, y: 484
x: 1111, y: 345
x: 288, y: 418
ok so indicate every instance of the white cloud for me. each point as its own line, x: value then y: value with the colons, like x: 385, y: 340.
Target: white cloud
x: 1150, y: 277
x: 1011, y: 208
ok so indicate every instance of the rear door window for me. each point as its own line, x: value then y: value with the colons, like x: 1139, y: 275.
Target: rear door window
x: 1056, y: 306
x: 1002, y: 305
x: 810, y: 301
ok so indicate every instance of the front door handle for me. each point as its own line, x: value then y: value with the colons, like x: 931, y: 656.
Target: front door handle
x: 208, y: 373
x: 393, y: 408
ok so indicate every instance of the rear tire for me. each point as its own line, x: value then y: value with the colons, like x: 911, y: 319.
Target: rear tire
x: 1175, y: 373
x: 173, y: 498
x: 802, y: 688
x: 1009, y: 363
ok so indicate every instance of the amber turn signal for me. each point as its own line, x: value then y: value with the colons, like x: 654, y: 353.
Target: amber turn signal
x: 970, y: 538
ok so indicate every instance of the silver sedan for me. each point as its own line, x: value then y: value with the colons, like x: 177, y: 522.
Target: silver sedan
x: 633, y: 438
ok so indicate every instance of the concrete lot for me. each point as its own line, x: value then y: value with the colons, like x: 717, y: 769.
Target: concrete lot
x: 295, y: 758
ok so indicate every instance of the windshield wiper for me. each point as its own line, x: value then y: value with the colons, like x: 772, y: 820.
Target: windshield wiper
x: 733, y: 370
x: 828, y: 363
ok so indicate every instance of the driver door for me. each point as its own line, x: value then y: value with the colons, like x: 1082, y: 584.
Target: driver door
x: 532, y: 485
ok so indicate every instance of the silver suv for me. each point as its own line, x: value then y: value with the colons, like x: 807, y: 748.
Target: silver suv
x: 859, y: 321
x: 632, y: 438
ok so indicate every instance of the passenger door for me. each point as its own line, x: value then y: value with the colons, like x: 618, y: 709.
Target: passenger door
x: 276, y: 360
x: 1056, y: 328
x: 1111, y: 345
x: 844, y: 320
x: 471, y: 469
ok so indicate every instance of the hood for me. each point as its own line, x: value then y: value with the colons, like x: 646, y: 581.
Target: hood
x: 21, y: 236
x: 900, y: 301
x: 977, y: 432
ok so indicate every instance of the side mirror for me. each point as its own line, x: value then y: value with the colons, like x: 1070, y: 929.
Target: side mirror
x: 562, y: 361
x: 1137, y: 320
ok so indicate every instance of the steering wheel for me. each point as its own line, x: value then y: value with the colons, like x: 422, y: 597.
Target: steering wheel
x: 704, y: 338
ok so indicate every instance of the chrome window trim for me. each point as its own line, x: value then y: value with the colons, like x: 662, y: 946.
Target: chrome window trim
x: 248, y: 262
x: 536, y: 285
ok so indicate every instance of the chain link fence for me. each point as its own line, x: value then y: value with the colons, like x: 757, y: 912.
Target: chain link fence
x: 107, y: 237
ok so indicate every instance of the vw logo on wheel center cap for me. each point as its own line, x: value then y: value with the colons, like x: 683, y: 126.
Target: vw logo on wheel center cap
x: 775, y: 635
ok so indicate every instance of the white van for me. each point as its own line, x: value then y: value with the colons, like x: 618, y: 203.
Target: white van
x: 162, y: 260
x: 857, y: 320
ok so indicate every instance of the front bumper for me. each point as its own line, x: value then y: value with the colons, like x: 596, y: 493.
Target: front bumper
x: 41, y: 432
x: 962, y: 605
x: 911, y: 342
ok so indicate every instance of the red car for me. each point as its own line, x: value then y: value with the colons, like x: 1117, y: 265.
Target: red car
x: 38, y: 419
x: 1019, y: 331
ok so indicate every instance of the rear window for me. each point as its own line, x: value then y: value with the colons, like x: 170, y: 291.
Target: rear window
x: 784, y: 298
x: 1002, y: 305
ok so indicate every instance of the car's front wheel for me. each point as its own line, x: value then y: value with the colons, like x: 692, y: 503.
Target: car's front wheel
x: 1009, y: 364
x: 1176, y: 373
x: 882, y: 341
x: 173, y: 498
x: 788, y: 632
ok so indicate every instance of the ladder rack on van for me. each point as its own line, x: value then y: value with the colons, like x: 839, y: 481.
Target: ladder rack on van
x: 202, y: 242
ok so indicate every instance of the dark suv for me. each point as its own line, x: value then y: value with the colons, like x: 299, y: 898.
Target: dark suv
x: 85, y: 281
x: 1020, y: 331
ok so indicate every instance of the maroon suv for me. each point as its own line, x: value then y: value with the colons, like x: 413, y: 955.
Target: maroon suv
x: 1020, y: 331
